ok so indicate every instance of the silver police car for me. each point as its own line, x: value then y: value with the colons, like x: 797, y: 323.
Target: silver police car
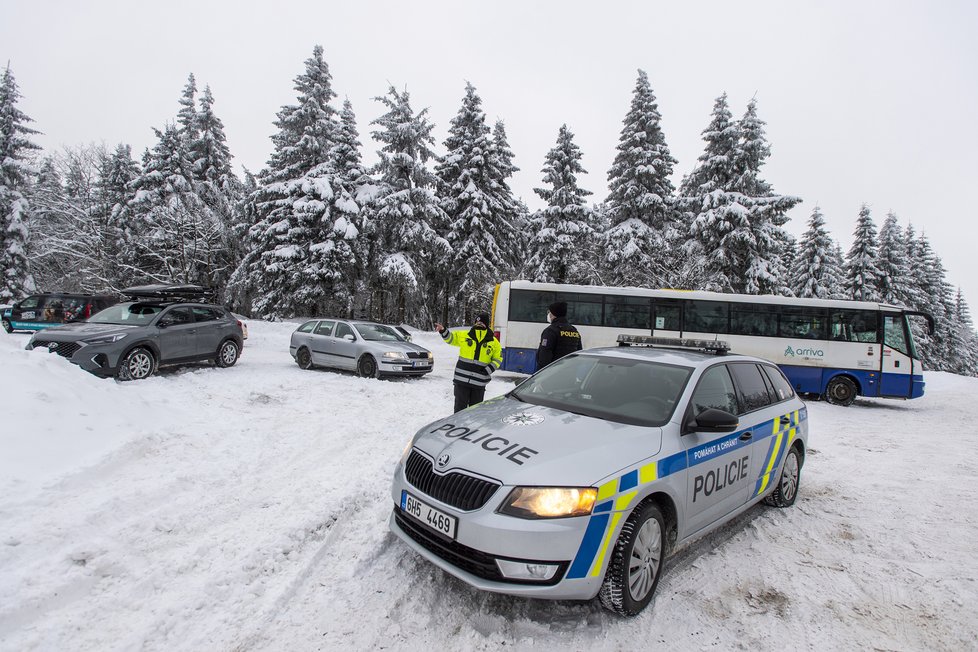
x: 368, y: 348
x: 579, y: 482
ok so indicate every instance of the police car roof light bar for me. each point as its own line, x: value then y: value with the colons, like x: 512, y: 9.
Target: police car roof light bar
x: 718, y: 347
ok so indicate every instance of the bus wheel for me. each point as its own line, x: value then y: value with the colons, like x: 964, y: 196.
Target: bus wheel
x: 841, y: 391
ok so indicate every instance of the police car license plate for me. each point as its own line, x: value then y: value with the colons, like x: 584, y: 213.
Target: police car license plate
x: 433, y: 518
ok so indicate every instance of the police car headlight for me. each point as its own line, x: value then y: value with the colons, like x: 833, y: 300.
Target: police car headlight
x: 549, y: 502
x: 394, y: 356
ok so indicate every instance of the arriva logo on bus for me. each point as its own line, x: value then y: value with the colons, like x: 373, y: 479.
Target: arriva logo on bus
x: 815, y: 353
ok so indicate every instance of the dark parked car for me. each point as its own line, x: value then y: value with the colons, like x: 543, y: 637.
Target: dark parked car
x: 40, y: 311
x: 162, y: 325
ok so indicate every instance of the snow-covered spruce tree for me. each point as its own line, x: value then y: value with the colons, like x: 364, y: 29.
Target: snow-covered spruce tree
x: 177, y: 237
x: 215, y: 182
x: 862, y: 274
x: 118, y: 172
x: 404, y: 215
x: 187, y: 115
x: 352, y: 181
x: 938, y: 299
x: 474, y: 213
x: 816, y: 273
x: 964, y: 339
x: 565, y: 228
x: 640, y: 209
x: 735, y: 217
x: 300, y: 235
x: 15, y: 172
x: 892, y: 262
x: 515, y: 215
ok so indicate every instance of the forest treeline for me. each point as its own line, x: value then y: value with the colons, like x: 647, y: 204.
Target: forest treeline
x: 426, y: 233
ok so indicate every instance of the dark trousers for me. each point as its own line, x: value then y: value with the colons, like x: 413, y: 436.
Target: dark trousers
x: 466, y: 395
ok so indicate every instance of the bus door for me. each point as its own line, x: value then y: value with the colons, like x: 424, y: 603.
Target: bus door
x: 897, y: 364
x: 667, y: 317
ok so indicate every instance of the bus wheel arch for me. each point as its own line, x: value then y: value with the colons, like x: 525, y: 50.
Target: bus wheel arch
x: 842, y: 390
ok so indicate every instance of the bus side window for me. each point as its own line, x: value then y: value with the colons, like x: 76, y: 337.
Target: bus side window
x: 707, y: 317
x: 582, y: 309
x: 530, y: 305
x: 753, y: 319
x: 626, y: 312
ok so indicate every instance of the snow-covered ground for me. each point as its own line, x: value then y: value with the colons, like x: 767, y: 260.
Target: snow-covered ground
x: 246, y: 509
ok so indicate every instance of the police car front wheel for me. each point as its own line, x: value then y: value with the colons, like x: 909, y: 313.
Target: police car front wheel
x: 636, y: 562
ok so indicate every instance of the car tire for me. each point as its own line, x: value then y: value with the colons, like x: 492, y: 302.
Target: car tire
x: 367, y: 367
x: 841, y: 391
x: 636, y: 562
x: 138, y: 364
x: 786, y: 491
x: 227, y: 354
x: 7, y: 326
x: 303, y: 358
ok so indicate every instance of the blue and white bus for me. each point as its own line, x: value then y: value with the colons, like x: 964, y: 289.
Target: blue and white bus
x: 837, y: 349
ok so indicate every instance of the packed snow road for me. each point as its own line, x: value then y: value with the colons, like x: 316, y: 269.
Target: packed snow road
x: 246, y: 509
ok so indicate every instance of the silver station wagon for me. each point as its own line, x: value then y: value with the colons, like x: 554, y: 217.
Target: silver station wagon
x: 368, y: 348
x: 582, y: 480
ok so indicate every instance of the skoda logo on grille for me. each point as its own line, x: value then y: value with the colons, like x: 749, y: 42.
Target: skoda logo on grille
x: 52, y: 346
x: 443, y: 460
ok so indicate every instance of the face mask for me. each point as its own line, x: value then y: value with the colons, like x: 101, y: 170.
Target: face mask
x: 550, y: 316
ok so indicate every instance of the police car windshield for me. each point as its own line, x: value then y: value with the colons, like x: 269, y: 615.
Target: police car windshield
x: 636, y: 392
x: 378, y: 333
x: 127, y: 314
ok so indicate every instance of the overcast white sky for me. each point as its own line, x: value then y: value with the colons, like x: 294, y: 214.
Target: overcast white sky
x: 865, y: 101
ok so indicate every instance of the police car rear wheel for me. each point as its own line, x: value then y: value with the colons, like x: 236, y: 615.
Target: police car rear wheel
x: 636, y: 563
x: 840, y: 391
x: 303, y: 358
x: 367, y: 367
x: 786, y: 492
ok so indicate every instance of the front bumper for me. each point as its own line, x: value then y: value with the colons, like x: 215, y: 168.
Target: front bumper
x: 99, y: 359
x: 401, y: 368
x: 483, y: 536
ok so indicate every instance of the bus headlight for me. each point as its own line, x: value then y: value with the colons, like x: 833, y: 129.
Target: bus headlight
x: 549, y: 502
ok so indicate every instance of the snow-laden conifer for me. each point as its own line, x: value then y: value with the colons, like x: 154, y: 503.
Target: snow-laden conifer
x: 404, y: 214
x: 735, y: 217
x: 892, y: 262
x: 862, y: 273
x: 15, y: 172
x: 475, y: 212
x: 816, y: 273
x: 640, y: 205
x: 564, y: 229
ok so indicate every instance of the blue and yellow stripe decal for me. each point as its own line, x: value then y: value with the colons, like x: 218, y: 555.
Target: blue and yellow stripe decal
x: 783, y: 433
x: 616, y: 496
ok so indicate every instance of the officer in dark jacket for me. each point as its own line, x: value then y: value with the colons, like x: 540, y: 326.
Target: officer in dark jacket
x: 559, y: 338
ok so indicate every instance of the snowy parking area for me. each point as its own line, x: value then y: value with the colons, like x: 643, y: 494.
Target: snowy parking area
x: 246, y: 509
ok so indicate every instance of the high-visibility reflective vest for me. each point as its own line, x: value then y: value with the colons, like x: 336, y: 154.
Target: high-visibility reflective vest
x: 479, y: 355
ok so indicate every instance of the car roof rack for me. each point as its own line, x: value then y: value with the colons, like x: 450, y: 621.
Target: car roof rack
x: 717, y: 347
x: 168, y: 291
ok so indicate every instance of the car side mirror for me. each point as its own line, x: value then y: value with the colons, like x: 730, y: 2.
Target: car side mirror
x: 162, y: 323
x: 349, y: 338
x: 713, y: 420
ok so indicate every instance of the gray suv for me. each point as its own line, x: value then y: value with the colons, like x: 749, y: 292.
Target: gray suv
x: 163, y: 325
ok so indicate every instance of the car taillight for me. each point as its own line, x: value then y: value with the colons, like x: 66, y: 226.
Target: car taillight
x: 496, y: 333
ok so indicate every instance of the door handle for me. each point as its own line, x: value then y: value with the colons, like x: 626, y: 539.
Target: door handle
x: 747, y: 436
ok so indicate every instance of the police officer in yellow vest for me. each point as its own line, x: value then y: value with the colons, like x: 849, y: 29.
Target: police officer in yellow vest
x: 559, y: 338
x: 478, y: 357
